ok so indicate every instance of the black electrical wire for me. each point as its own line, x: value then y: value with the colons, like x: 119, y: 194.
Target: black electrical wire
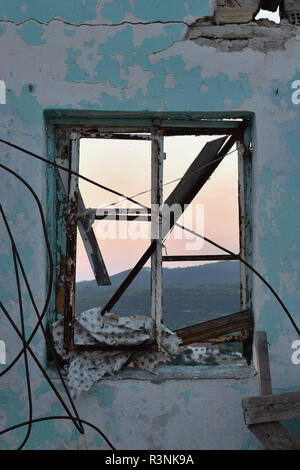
x: 76, y: 420
x: 13, y: 324
x: 60, y: 167
x: 49, y: 418
x: 80, y: 421
x: 44, y: 227
x: 242, y: 260
x: 172, y: 181
x: 40, y: 317
x: 135, y: 202
x: 21, y: 335
x: 101, y: 186
x: 40, y: 323
x: 27, y: 372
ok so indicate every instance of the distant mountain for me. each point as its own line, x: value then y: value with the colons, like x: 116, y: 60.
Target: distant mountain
x: 191, y: 294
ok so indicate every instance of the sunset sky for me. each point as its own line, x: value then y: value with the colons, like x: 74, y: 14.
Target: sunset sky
x: 126, y: 167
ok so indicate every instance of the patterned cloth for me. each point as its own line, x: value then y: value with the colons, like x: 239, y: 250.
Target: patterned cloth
x: 86, y: 367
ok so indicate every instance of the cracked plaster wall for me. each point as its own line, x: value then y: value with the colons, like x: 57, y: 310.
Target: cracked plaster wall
x: 142, y: 56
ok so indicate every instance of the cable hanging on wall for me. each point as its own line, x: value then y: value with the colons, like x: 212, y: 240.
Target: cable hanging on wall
x: 26, y: 350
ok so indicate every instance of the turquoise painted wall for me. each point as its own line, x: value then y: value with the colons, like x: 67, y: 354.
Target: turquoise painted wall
x: 133, y: 56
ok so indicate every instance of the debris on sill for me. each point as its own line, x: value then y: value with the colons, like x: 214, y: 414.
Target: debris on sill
x: 84, y: 368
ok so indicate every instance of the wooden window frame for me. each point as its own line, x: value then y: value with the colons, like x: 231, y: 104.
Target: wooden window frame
x: 66, y: 137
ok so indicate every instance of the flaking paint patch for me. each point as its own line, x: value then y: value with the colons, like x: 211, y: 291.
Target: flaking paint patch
x: 18, y: 208
x: 69, y: 32
x: 106, y: 70
x: 113, y: 14
x: 14, y: 410
x: 50, y: 431
x: 186, y: 395
x: 25, y: 106
x: 99, y: 441
x: 90, y: 43
x: 44, y: 11
x: 123, y: 41
x: 105, y: 395
x: 31, y: 33
x: 168, y: 10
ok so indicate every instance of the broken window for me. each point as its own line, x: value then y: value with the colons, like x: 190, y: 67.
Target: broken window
x: 76, y: 221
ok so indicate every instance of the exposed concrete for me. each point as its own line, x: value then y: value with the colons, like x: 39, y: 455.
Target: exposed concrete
x: 292, y: 5
x: 261, y: 35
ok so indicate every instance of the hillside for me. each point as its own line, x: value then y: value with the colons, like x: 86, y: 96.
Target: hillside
x: 191, y: 294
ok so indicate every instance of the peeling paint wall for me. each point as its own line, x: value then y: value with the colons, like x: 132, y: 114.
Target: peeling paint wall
x: 136, y: 55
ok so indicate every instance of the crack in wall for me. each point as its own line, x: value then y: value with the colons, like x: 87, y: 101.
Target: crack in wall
x: 125, y: 22
x: 262, y: 35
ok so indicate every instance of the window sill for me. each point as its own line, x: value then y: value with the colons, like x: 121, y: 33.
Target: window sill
x: 163, y: 373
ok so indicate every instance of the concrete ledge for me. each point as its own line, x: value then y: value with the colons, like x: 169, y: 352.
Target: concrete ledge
x: 164, y: 373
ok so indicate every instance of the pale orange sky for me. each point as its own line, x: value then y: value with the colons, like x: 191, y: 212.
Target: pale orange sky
x: 125, y: 167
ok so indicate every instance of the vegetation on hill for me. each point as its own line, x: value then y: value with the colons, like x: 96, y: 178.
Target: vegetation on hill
x: 191, y: 294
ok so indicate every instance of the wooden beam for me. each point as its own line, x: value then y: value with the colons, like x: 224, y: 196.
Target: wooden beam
x: 192, y: 181
x: 92, y: 248
x: 178, y: 258
x: 274, y: 436
x: 157, y: 160
x: 270, y: 432
x: 128, y: 280
x: 269, y: 408
x: 215, y: 328
x: 88, y: 236
x: 263, y: 364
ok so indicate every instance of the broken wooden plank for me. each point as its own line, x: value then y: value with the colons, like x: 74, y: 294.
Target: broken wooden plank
x: 269, y: 408
x: 263, y: 364
x: 88, y: 236
x: 92, y: 248
x: 214, y: 328
x: 271, y: 433
x: 128, y: 280
x: 192, y: 181
x: 274, y: 436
